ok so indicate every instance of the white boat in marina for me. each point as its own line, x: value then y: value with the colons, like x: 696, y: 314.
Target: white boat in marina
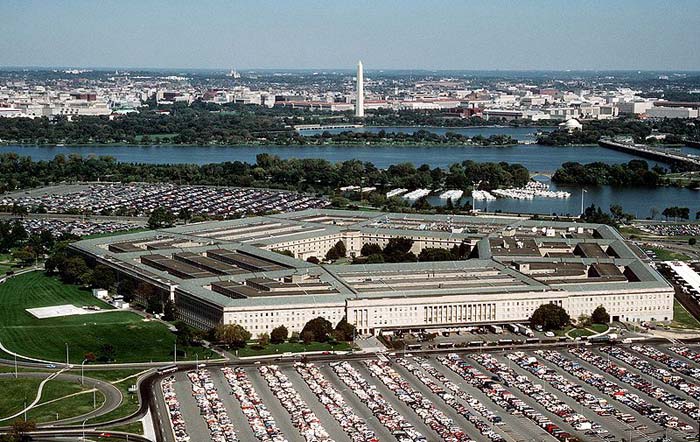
x: 416, y: 194
x: 482, y: 195
x: 451, y: 194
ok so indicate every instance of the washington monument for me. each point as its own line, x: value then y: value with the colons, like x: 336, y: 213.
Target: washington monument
x: 360, y: 102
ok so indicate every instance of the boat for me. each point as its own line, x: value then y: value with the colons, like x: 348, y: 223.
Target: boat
x: 416, y: 194
x: 451, y: 194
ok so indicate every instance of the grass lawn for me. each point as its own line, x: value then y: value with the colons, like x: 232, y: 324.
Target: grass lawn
x: 578, y: 332
x: 600, y: 328
x: 129, y: 405
x: 289, y: 347
x: 17, y: 392
x: 133, y: 339
x: 667, y: 255
x: 682, y: 318
x: 133, y: 428
x: 64, y: 408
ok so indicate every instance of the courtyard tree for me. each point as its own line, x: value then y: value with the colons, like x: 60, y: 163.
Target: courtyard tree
x: 232, y: 335
x: 550, y: 317
x: 600, y: 315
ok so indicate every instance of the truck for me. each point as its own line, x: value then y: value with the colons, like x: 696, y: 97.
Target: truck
x: 513, y: 327
x: 526, y: 331
x: 495, y: 329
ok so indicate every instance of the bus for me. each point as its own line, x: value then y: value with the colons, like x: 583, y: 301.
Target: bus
x: 170, y: 369
x: 445, y: 345
x: 414, y: 347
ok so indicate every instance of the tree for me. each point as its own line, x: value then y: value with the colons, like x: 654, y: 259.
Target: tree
x: 24, y: 256
x: 19, y: 429
x: 169, y: 311
x: 313, y: 260
x: 600, y: 315
x: 692, y: 241
x: 435, y: 254
x: 399, y: 250
x: 318, y: 328
x: 103, y: 277
x: 74, y: 270
x: 154, y: 304
x: 344, y: 331
x: 279, y: 334
x: 263, y: 339
x: 232, y: 335
x: 184, y: 333
x: 550, y: 317
x: 337, y: 251
x: 90, y: 357
x: 161, y: 218
x: 370, y: 249
x: 307, y: 336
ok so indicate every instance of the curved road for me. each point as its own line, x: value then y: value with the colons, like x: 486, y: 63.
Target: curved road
x: 113, y: 396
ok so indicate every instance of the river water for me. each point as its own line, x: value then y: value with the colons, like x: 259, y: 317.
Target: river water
x: 537, y: 158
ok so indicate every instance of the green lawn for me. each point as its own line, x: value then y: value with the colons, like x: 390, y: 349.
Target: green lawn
x: 288, y: 347
x: 578, y: 332
x: 682, y: 318
x: 600, y: 328
x: 133, y: 428
x: 667, y: 255
x: 64, y: 408
x: 17, y: 392
x: 133, y: 339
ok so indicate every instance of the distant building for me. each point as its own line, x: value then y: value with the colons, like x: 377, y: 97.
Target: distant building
x: 671, y: 112
x: 571, y: 125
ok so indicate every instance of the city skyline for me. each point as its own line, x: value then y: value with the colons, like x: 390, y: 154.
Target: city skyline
x: 500, y: 35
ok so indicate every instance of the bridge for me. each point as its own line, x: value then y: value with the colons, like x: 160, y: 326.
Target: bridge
x: 541, y: 174
x: 654, y: 153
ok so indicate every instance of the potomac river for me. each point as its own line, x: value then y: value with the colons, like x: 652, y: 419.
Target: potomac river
x: 537, y: 158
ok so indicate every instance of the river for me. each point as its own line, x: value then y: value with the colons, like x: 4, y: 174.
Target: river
x: 537, y: 158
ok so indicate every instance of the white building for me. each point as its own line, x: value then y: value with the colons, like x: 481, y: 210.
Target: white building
x: 671, y: 112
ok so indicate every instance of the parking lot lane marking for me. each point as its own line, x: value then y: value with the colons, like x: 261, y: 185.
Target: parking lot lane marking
x: 329, y: 423
x: 588, y: 366
x: 501, y: 429
x: 657, y: 430
x: 608, y: 423
x: 519, y: 427
x: 233, y: 407
x: 273, y: 405
x: 458, y: 419
x: 194, y: 422
x: 357, y: 405
x: 398, y: 405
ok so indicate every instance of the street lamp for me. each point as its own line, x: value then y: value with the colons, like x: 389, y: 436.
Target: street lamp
x: 84, y: 427
x: 82, y: 373
x: 67, y: 359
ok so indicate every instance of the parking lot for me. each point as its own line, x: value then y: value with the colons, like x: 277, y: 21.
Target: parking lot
x: 140, y: 199
x: 584, y: 393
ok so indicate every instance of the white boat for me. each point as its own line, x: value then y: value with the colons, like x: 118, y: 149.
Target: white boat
x: 416, y: 194
x: 481, y: 195
x: 451, y: 194
x: 395, y: 192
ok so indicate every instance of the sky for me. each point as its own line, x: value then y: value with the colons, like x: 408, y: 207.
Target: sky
x: 401, y: 34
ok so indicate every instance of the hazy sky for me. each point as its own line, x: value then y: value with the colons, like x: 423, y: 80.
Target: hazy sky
x: 429, y: 34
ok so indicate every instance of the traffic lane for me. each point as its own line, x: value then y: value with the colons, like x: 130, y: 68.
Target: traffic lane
x: 532, y: 403
x: 282, y: 418
x: 609, y: 423
x: 402, y: 408
x: 653, y: 431
x: 519, y: 428
x: 161, y: 416
x: 194, y: 422
x: 361, y: 409
x: 437, y: 401
x: 327, y: 420
x: 233, y: 407
x: 498, y: 428
x: 650, y: 399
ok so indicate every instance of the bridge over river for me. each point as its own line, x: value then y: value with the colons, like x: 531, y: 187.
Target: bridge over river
x: 654, y: 153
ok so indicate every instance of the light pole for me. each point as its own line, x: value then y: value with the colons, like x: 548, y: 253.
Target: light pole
x: 583, y: 191
x: 84, y: 427
x: 67, y: 359
x: 16, y: 366
x: 82, y: 373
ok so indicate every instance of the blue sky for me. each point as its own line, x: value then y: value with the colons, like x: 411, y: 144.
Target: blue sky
x: 405, y: 34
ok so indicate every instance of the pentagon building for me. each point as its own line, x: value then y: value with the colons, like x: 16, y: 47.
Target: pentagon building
x: 231, y: 271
